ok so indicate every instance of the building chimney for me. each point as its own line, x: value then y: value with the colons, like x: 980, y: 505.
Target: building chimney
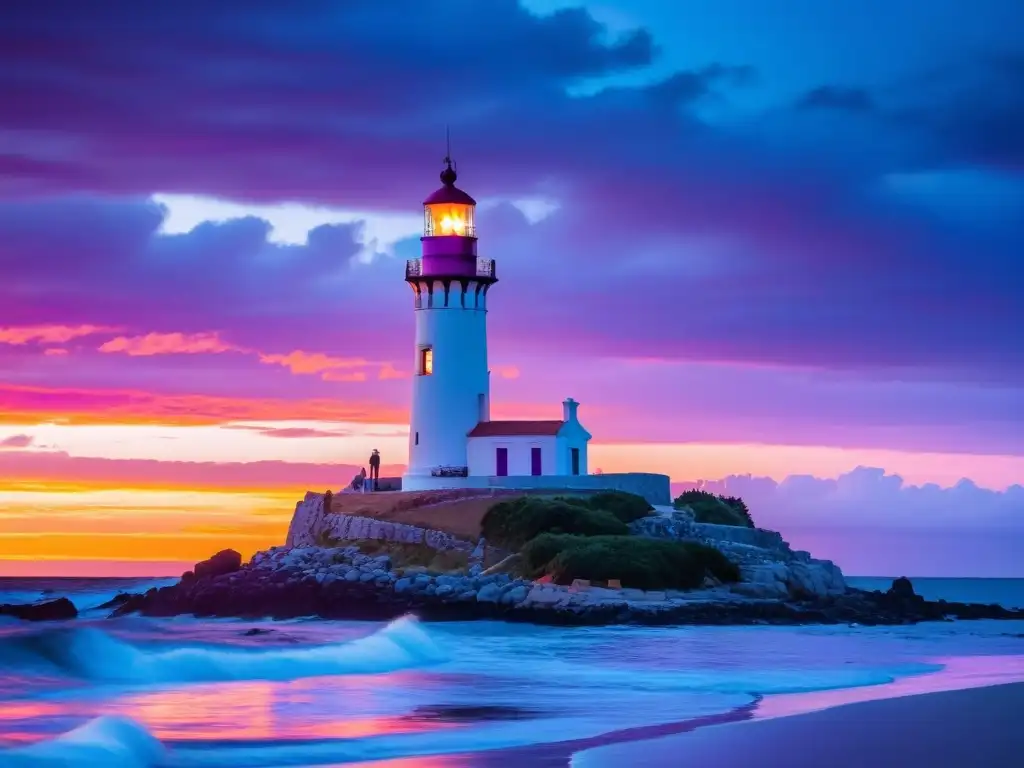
x: 569, y: 407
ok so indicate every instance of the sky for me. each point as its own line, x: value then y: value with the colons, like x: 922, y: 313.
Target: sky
x: 774, y: 253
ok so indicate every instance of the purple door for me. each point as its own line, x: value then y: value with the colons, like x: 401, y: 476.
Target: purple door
x: 501, y: 459
x: 535, y: 461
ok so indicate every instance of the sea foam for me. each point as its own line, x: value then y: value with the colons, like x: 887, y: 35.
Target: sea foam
x: 91, y: 654
x: 111, y: 742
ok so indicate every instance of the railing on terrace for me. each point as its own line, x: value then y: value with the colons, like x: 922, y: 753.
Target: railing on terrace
x: 485, y: 267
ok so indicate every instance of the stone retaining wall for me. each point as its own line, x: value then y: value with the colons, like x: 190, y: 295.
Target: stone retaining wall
x: 311, y: 526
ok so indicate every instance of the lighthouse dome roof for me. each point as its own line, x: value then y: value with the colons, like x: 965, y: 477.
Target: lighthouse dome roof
x: 449, y: 193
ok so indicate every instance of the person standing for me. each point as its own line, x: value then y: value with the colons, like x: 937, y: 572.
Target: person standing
x: 375, y: 469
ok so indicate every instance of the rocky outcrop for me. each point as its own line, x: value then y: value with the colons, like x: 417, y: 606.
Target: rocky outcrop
x: 343, y: 583
x: 769, y: 567
x: 47, y: 610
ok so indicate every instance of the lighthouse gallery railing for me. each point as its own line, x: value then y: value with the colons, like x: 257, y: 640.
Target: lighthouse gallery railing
x: 414, y: 268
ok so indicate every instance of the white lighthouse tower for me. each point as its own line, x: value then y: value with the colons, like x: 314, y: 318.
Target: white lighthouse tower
x: 451, y: 386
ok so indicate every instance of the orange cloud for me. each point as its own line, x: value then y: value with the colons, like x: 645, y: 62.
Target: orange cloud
x: 388, y: 371
x: 312, y: 362
x: 55, y: 352
x: 337, y: 376
x: 170, y: 344
x: 32, y: 405
x: 506, y: 371
x: 49, y: 334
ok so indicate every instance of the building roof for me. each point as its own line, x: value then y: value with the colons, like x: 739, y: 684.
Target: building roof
x: 449, y: 193
x: 516, y: 428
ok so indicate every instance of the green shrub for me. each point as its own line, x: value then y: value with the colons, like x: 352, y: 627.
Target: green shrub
x: 540, y: 551
x: 627, y: 507
x: 510, y: 524
x: 636, y: 562
x: 720, y: 510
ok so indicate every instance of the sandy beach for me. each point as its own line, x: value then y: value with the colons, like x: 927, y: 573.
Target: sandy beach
x: 977, y: 728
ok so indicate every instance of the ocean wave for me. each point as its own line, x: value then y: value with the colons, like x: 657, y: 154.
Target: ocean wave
x: 112, y: 742
x: 91, y: 654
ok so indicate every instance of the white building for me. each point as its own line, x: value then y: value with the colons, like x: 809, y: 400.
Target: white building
x: 452, y: 440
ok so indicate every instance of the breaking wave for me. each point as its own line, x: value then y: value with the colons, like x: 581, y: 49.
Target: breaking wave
x: 112, y: 742
x: 91, y: 654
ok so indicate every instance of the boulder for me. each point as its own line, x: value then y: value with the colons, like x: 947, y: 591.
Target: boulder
x: 489, y: 593
x: 224, y: 562
x: 902, y: 589
x: 45, y: 610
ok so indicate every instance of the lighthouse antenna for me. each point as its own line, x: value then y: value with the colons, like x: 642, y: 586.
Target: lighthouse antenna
x: 448, y: 148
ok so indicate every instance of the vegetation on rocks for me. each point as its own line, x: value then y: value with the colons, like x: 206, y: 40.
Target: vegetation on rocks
x: 627, y: 507
x: 717, y: 509
x: 636, y: 562
x: 510, y: 524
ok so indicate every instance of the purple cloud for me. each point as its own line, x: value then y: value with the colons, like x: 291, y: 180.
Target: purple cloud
x: 17, y: 441
x: 873, y: 523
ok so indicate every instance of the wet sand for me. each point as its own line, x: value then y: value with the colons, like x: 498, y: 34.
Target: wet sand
x: 974, y: 728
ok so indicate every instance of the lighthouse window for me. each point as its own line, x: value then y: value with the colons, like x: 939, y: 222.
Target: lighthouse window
x: 426, y: 361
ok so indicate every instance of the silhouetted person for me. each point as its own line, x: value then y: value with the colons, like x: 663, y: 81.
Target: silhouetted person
x: 375, y: 468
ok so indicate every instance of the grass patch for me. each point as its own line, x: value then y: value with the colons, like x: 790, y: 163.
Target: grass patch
x: 635, y: 561
x: 712, y: 508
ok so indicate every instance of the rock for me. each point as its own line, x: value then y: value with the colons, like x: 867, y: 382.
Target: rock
x: 119, y: 599
x: 516, y: 595
x: 46, y: 610
x: 224, y: 562
x: 774, y: 590
x: 489, y: 593
x: 403, y: 585
x: 352, y: 574
x: 902, y: 588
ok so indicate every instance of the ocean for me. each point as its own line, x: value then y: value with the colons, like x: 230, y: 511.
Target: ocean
x: 194, y: 692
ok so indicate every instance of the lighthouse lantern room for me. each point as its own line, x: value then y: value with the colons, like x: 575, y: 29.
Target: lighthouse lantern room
x: 452, y: 440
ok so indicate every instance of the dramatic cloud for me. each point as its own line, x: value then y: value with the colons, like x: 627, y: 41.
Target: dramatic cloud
x: 872, y: 523
x: 871, y: 498
x: 714, y: 264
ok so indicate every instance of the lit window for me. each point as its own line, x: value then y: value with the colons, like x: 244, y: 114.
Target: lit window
x: 426, y: 361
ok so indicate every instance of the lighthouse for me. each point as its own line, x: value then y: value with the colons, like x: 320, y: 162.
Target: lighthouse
x: 450, y: 382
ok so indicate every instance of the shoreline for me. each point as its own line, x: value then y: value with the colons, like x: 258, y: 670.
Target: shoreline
x: 882, y: 731
x: 976, y: 727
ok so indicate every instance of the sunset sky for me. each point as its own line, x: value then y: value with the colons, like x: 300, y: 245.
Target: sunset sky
x: 784, y: 245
